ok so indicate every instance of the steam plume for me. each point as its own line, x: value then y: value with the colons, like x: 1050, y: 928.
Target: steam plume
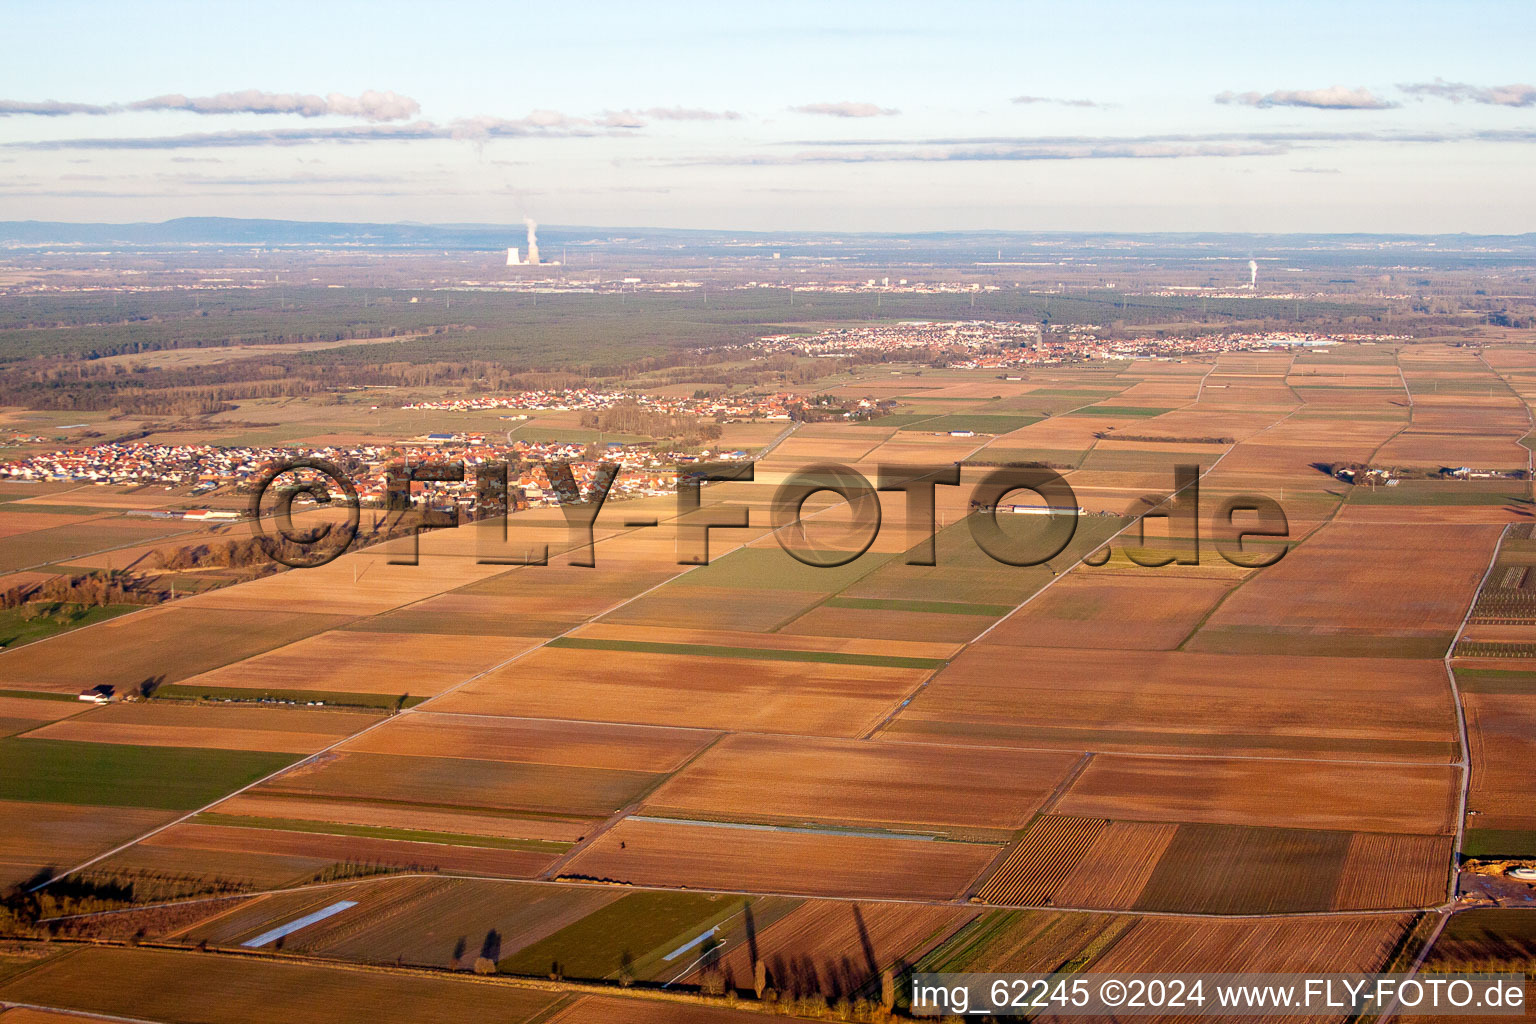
x: 533, y: 239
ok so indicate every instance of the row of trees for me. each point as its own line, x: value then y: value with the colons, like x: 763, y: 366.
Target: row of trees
x: 90, y: 590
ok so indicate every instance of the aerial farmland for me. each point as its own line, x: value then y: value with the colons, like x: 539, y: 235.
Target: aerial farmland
x: 558, y: 763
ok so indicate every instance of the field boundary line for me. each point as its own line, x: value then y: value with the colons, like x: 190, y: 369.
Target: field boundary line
x: 63, y: 1012
x: 1200, y: 391
x: 1073, y: 774
x: 996, y: 863
x: 783, y: 436
x: 1461, y: 718
x: 1418, y: 962
x: 624, y: 812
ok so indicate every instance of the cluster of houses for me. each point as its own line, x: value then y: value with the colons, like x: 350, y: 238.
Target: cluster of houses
x: 646, y: 470
x: 1077, y: 346
x: 773, y: 407
x: 994, y: 344
x: 969, y: 335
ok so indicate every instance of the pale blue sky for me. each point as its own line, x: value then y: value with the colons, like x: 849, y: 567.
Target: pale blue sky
x: 571, y: 114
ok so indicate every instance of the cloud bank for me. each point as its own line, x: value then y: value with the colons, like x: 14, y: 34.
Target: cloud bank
x: 1513, y: 95
x: 538, y: 124
x: 373, y: 105
x: 845, y: 109
x: 50, y: 108
x: 1058, y: 101
x: 1335, y: 97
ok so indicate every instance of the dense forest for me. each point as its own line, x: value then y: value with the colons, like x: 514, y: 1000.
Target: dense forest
x: 58, y: 349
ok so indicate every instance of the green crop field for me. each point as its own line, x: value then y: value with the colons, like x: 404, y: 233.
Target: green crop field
x: 120, y: 775
x: 254, y: 695
x: 1479, y: 680
x: 641, y: 926
x: 17, y: 629
x: 1493, y: 842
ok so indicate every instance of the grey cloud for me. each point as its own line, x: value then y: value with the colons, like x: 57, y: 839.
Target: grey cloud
x: 1081, y: 147
x: 1335, y: 97
x: 268, y: 137
x: 372, y: 105
x: 50, y: 108
x: 1513, y: 95
x: 845, y: 108
x: 673, y: 114
x: 548, y: 124
x: 1057, y: 101
x: 1320, y: 136
x: 1102, y: 149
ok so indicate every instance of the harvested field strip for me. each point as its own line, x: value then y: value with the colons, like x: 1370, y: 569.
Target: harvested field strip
x: 210, y: 847
x: 1116, y: 867
x: 1302, y: 640
x: 1073, y: 392
x: 749, y: 653
x: 235, y: 920
x: 1170, y: 944
x: 468, y: 783
x: 834, y: 948
x: 283, y: 931
x: 615, y: 1010
x: 406, y: 896
x: 118, y: 775
x: 1502, y: 939
x: 849, y: 784
x: 981, y: 423
x: 936, y: 607
x: 1117, y: 410
x: 1239, y: 869
x: 573, y: 744
x: 381, y: 832
x: 410, y: 815
x: 1130, y: 741
x: 338, y: 698
x: 1027, y: 940
x: 210, y: 728
x: 449, y: 922
x: 790, y: 863
x: 1042, y: 859
x: 821, y: 830
x: 1494, y: 649
x: 641, y: 925
x: 1416, y: 798
x: 1383, y: 872
x: 175, y: 986
x: 716, y: 636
